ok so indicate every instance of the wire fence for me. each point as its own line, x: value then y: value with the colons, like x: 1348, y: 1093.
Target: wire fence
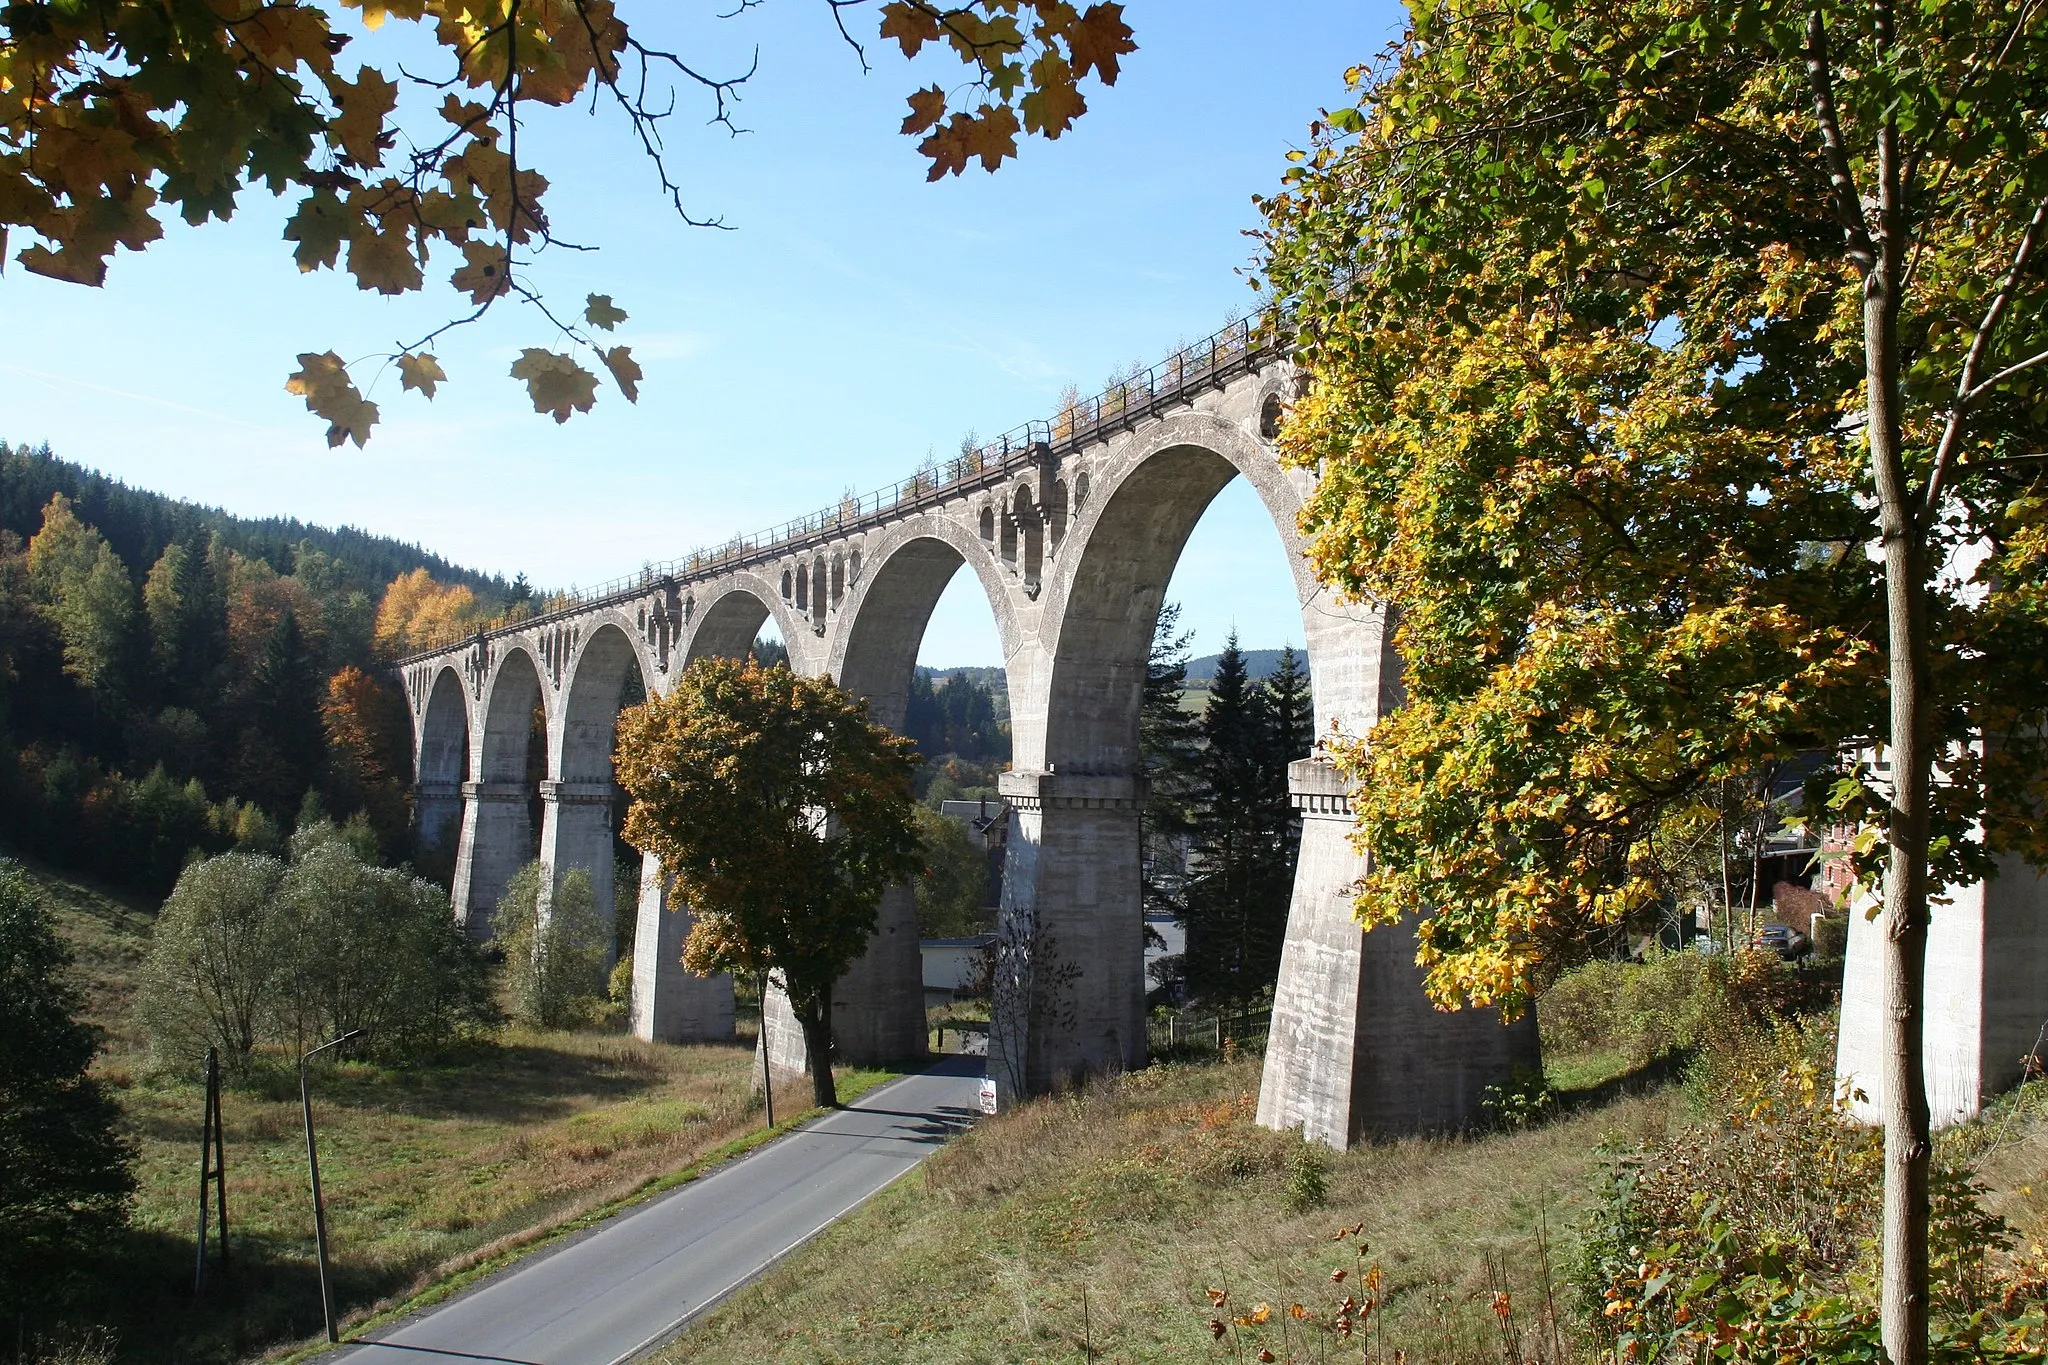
x: 1199, y: 1032
x: 1210, y: 362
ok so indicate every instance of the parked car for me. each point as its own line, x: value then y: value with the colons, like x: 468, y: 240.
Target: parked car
x: 1782, y: 939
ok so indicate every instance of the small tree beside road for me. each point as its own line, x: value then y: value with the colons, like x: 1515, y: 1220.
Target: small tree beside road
x: 781, y: 813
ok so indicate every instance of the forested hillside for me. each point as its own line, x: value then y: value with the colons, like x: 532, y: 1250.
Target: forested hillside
x: 173, y: 679
x: 140, y: 524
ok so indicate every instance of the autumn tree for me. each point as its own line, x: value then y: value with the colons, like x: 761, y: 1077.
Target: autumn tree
x: 84, y: 590
x: 1676, y: 370
x: 369, y: 750
x: 418, y: 613
x: 782, y: 813
x: 114, y: 115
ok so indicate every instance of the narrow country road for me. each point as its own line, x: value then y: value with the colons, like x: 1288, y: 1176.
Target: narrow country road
x: 616, y: 1291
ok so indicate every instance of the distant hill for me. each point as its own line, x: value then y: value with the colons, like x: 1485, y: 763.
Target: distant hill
x: 139, y: 524
x: 1259, y: 663
x: 989, y: 676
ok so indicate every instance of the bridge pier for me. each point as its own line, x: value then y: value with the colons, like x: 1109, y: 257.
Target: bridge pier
x: 877, y: 1006
x: 436, y: 814
x: 1070, y: 950
x: 1986, y: 996
x: 496, y: 836
x: 672, y: 1004
x: 576, y: 832
x: 1357, y: 1051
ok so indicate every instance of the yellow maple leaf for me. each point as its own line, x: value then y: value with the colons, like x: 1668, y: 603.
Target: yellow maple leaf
x: 625, y: 371
x: 556, y: 383
x: 322, y: 380
x: 420, y: 372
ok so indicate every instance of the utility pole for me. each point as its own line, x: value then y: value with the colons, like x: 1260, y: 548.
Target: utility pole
x: 313, y: 1167
x: 213, y: 1169
x: 767, y: 1078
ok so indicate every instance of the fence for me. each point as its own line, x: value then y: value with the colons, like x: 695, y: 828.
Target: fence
x: 1179, y: 1032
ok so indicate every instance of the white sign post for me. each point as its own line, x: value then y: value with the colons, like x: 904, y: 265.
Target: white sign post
x: 988, y: 1094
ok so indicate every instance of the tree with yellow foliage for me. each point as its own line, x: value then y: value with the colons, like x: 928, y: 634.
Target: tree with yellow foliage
x: 419, y: 613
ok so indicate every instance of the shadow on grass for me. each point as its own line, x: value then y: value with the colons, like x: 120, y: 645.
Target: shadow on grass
x: 501, y: 1082
x: 140, y: 1292
x: 1660, y: 1071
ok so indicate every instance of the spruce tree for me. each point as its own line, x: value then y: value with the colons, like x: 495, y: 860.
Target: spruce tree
x: 1170, y: 742
x: 284, y: 743
x: 64, y: 1167
x: 1230, y: 939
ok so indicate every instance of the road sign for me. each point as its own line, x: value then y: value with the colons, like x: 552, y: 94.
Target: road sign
x: 988, y: 1094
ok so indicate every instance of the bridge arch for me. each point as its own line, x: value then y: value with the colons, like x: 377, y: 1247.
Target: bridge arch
x: 728, y: 618
x: 441, y: 761
x: 497, y: 835
x: 580, y: 801
x: 904, y: 572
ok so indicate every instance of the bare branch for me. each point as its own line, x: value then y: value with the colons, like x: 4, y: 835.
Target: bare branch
x: 1969, y: 388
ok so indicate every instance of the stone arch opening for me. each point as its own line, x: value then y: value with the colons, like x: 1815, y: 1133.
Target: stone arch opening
x: 734, y: 620
x: 582, y: 806
x: 818, y: 593
x: 1030, y: 520
x: 786, y: 589
x: 838, y: 580
x: 988, y: 525
x: 803, y: 589
x: 499, y: 835
x: 441, y: 769
x: 890, y: 658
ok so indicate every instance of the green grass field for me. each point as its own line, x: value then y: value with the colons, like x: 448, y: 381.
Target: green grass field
x: 427, y: 1171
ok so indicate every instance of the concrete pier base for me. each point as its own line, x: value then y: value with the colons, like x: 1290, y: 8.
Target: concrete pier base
x: 576, y: 832
x: 497, y: 837
x: 672, y: 1004
x: 1986, y: 996
x: 877, y: 1006
x: 437, y: 816
x: 1070, y: 951
x: 1357, y: 1051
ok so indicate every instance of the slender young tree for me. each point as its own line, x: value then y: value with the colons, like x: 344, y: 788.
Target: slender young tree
x: 781, y: 813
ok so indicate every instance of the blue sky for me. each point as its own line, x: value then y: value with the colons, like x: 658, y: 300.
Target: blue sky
x: 853, y: 318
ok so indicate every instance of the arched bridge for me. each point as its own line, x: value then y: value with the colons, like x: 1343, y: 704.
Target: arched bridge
x: 1072, y: 529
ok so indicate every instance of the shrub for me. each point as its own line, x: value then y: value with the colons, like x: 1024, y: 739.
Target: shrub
x: 248, y: 951
x: 374, y: 949
x: 1669, y: 1002
x: 1756, y: 1226
x: 64, y: 1168
x: 554, y: 954
x: 214, y: 961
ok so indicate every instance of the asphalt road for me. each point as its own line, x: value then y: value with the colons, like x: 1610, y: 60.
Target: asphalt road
x: 633, y: 1281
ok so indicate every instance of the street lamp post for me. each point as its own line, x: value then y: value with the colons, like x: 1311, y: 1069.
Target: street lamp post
x: 313, y: 1168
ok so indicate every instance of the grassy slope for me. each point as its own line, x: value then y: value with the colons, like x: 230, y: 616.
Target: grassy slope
x: 1144, y: 1194
x: 425, y: 1171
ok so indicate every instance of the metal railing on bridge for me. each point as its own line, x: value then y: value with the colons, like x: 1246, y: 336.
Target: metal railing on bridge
x: 1210, y: 362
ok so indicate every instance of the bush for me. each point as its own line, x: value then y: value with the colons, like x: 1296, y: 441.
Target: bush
x: 1757, y: 1225
x: 64, y: 1168
x: 554, y: 955
x: 249, y: 951
x: 214, y: 961
x: 374, y: 949
x: 1667, y: 1003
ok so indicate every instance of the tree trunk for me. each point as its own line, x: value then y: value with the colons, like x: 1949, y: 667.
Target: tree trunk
x: 815, y: 1017
x: 1907, y: 1142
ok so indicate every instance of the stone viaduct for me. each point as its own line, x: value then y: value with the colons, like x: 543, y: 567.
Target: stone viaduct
x: 1072, y: 529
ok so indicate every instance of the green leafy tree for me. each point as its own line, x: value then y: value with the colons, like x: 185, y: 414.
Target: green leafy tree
x: 86, y: 593
x: 782, y: 814
x: 952, y: 891
x: 115, y: 114
x: 64, y: 1166
x: 372, y: 948
x: 1675, y: 369
x: 216, y: 958
x: 554, y: 948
